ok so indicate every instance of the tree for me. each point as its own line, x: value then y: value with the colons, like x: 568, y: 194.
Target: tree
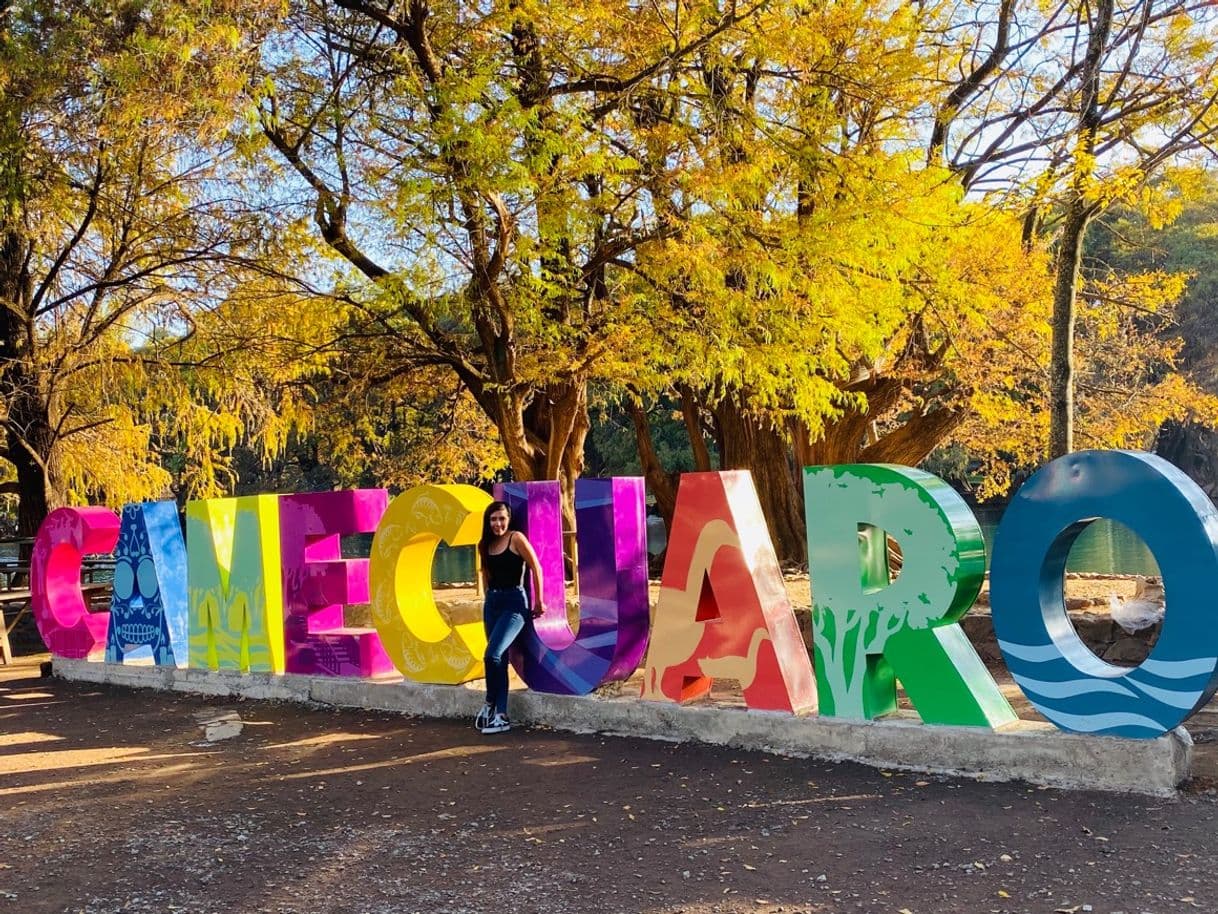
x: 538, y: 200
x: 731, y: 206
x: 1070, y: 108
x: 115, y: 225
x: 967, y: 356
x: 1128, y: 373
x: 816, y: 272
x: 966, y: 311
x: 465, y: 164
x: 1170, y: 238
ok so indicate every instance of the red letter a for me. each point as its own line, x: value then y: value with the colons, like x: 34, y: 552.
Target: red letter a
x: 723, y: 608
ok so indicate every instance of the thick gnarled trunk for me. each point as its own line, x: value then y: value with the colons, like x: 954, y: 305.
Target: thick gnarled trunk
x: 29, y: 436
x: 36, y: 491
x: 747, y: 443
x: 661, y: 483
x: 545, y: 440
x: 776, y: 456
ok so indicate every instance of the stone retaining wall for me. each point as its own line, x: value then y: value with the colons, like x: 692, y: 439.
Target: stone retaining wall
x: 1023, y: 750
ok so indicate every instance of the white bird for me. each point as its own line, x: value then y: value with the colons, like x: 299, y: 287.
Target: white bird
x: 1143, y: 609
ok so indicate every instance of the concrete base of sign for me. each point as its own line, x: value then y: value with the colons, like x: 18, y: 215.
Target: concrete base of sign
x: 1026, y: 750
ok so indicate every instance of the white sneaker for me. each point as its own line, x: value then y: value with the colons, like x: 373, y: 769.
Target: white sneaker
x: 484, y: 716
x: 498, y: 724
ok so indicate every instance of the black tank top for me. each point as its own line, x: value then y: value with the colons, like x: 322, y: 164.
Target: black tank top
x: 506, y: 569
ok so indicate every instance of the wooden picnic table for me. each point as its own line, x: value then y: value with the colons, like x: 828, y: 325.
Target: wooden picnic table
x: 96, y: 572
x: 15, y: 573
x: 97, y: 599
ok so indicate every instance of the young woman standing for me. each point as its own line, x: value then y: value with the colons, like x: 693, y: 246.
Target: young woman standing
x: 505, y: 553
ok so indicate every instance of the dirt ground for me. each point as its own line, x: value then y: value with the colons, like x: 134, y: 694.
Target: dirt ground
x: 116, y: 801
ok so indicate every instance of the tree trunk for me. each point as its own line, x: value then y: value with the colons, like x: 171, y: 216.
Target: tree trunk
x: 29, y: 437
x: 776, y: 456
x: 1074, y: 230
x: 691, y: 413
x: 1032, y: 220
x: 658, y: 480
x: 1194, y: 449
x: 1065, y: 315
x: 33, y: 459
x: 844, y: 438
x: 912, y: 441
x: 748, y: 444
x: 572, y: 467
x: 546, y: 439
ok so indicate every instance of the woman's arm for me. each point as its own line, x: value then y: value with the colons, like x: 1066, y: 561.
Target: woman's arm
x: 523, y: 548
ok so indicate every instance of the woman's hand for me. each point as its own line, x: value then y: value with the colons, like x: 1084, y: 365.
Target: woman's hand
x: 524, y: 549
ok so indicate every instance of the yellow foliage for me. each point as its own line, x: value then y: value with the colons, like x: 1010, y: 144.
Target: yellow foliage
x: 1127, y: 386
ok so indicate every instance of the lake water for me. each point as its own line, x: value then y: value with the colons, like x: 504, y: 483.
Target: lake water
x: 453, y: 566
x: 1105, y: 547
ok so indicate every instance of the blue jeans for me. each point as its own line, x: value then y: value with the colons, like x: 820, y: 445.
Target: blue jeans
x: 504, y: 614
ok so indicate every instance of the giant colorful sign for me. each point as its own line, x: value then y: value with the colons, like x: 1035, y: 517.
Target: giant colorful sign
x: 261, y: 585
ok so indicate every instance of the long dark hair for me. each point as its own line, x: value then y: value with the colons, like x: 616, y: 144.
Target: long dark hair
x: 484, y: 543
